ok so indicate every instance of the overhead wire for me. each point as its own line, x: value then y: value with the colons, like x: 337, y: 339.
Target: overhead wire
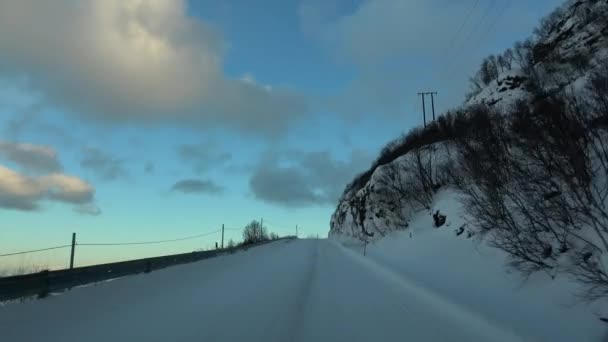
x: 34, y: 250
x: 486, y: 33
x: 131, y: 243
x: 472, y: 32
x: 496, y: 20
x: 464, y: 23
x: 148, y: 242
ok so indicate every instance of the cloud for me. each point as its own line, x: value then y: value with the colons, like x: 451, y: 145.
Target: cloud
x: 103, y: 165
x: 21, y: 192
x: 196, y: 186
x: 136, y: 61
x: 302, y: 179
x: 31, y: 158
x: 88, y: 209
x: 203, y: 157
x: 399, y: 48
x: 30, y: 120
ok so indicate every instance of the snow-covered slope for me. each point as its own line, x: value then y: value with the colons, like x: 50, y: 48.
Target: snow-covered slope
x: 503, y: 92
x: 391, y: 205
x: 387, y: 201
x: 472, y: 275
x: 576, y: 31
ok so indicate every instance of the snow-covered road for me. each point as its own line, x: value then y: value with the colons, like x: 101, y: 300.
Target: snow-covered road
x: 304, y: 290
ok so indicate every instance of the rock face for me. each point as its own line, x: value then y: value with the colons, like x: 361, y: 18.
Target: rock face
x: 394, y: 192
x: 567, y: 45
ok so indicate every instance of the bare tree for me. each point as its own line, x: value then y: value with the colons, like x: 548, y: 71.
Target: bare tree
x: 549, y: 24
x: 507, y: 59
x: 395, y: 195
x: 254, y: 232
x: 522, y: 54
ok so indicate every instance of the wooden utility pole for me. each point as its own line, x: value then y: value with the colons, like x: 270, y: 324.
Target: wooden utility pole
x: 222, y: 236
x: 423, y: 94
x: 433, y: 104
x: 423, y: 109
x: 73, y: 250
x: 296, y: 231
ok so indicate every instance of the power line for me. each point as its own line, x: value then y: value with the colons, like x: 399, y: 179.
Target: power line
x: 466, y: 20
x: 119, y: 243
x: 478, y: 25
x: 488, y: 31
x: 497, y: 19
x: 148, y: 242
x: 35, y: 250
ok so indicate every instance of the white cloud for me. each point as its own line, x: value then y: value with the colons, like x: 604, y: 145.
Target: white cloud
x: 138, y: 60
x: 22, y: 192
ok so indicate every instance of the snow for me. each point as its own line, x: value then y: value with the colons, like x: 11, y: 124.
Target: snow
x: 376, y: 205
x: 304, y: 290
x: 499, y: 92
x: 473, y: 276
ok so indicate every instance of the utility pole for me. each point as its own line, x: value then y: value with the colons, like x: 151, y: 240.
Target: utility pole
x: 296, y: 231
x: 73, y: 250
x: 423, y: 94
x: 423, y: 109
x: 433, y: 104
x: 222, y: 236
x: 432, y: 93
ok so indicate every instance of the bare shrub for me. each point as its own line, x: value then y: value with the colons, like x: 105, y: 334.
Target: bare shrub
x: 535, y: 184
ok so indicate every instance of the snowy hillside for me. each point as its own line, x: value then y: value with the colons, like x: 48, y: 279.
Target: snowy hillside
x: 391, y: 197
x: 558, y: 54
x: 504, y: 91
x: 465, y: 271
x: 551, y: 61
x: 526, y: 154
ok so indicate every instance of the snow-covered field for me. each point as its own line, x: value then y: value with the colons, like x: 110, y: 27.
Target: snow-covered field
x: 431, y: 287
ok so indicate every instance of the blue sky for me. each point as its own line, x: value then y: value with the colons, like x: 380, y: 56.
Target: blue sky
x: 144, y: 120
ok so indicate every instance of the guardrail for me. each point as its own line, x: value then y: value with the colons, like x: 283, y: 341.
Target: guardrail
x: 43, y: 283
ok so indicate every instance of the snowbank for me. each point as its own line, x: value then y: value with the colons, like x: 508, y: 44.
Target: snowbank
x: 471, y: 274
